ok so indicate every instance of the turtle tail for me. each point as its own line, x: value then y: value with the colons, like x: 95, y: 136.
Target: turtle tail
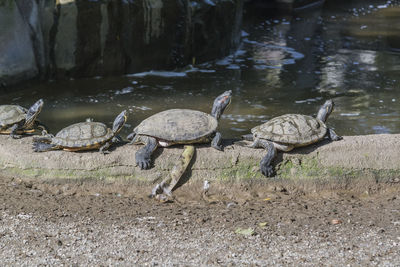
x: 39, y: 146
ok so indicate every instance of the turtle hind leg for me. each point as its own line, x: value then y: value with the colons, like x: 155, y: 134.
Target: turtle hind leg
x: 333, y: 136
x: 41, y: 147
x: 266, y: 163
x: 143, y: 155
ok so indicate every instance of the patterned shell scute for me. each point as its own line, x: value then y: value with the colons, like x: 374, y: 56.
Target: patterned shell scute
x: 178, y: 125
x: 10, y: 114
x: 83, y: 134
x: 292, y: 129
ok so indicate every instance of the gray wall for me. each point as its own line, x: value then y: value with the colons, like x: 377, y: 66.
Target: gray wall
x: 77, y: 38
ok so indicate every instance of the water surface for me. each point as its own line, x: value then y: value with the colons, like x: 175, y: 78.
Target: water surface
x: 349, y: 52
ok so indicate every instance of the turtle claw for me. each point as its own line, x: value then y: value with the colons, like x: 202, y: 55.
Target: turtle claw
x: 142, y: 161
x: 337, y: 138
x: 35, y: 147
x: 142, y: 165
x: 219, y: 148
x: 267, y: 170
x: 333, y: 136
x: 38, y: 146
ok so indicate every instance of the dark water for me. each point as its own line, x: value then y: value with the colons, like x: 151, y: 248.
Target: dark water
x: 347, y: 50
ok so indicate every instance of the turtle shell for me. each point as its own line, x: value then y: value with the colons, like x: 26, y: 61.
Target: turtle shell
x: 178, y: 125
x: 293, y: 129
x: 11, y: 114
x: 83, y: 135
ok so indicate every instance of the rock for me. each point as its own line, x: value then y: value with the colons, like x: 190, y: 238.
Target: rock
x: 354, y: 160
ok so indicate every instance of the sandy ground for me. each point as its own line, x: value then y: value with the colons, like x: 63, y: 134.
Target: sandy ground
x: 89, y: 224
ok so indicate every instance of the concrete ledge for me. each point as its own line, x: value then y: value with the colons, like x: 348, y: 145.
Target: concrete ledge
x: 372, y: 157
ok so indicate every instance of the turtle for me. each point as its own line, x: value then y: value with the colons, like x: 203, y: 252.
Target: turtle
x: 82, y: 136
x: 16, y: 120
x: 178, y: 126
x: 289, y: 131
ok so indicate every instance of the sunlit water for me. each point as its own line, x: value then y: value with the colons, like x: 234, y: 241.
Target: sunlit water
x: 286, y: 64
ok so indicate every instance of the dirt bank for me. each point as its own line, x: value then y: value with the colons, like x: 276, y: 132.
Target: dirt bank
x: 331, y: 204
x: 92, y: 224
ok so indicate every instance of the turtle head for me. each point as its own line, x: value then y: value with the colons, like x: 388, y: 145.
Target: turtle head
x: 220, y: 103
x: 33, y: 112
x: 119, y: 122
x: 325, y: 110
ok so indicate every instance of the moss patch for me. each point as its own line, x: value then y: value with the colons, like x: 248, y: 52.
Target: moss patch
x: 311, y: 168
x: 296, y: 168
x: 100, y: 174
x: 241, y: 171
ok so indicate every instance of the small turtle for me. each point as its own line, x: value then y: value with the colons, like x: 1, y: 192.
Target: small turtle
x: 82, y: 136
x: 179, y: 126
x: 16, y: 120
x: 289, y: 131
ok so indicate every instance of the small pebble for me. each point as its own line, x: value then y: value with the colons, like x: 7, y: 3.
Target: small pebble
x: 231, y: 205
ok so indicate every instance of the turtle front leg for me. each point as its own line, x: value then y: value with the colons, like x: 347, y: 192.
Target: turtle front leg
x: 104, y: 148
x: 117, y: 139
x: 44, y: 129
x: 248, y: 137
x: 41, y: 146
x: 265, y: 165
x: 13, y: 131
x: 333, y: 136
x: 143, y: 155
x: 216, y: 142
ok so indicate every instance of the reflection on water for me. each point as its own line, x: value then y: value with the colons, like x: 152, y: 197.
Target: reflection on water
x: 348, y: 51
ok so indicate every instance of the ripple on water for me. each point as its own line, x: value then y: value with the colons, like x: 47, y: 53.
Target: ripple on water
x: 124, y: 91
x: 165, y: 74
x: 284, y: 65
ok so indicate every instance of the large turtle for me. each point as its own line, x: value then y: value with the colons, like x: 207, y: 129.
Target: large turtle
x: 82, y: 136
x: 179, y: 126
x: 15, y: 120
x: 289, y: 131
